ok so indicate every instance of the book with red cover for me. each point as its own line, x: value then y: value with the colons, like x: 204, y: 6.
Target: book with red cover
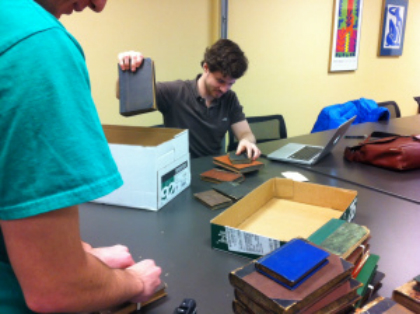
x: 218, y: 175
x: 224, y: 162
x: 278, y: 298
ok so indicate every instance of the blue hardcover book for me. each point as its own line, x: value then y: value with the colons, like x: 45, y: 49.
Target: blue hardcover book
x: 292, y: 263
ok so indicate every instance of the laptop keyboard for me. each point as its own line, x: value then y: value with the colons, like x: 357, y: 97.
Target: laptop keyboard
x: 306, y: 153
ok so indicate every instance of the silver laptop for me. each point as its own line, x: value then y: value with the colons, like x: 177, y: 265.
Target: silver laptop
x: 308, y: 154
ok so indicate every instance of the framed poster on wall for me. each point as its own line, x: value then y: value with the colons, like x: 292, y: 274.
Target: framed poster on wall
x: 393, y: 27
x: 346, y: 35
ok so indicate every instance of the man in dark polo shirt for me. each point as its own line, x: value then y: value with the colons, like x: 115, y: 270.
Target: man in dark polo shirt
x: 206, y: 106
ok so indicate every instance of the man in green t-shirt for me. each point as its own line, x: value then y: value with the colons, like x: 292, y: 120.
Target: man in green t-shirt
x: 53, y: 157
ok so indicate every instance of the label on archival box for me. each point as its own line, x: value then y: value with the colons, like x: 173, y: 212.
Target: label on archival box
x: 173, y: 182
x: 245, y: 242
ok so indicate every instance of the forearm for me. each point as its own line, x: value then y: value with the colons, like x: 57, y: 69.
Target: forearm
x: 95, y: 287
x: 56, y: 273
x: 249, y: 136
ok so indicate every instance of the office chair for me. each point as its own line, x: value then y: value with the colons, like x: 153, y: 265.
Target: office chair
x: 265, y: 128
x: 417, y: 99
x: 394, y: 110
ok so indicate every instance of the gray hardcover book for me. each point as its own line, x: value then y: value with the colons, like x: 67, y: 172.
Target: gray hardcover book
x: 137, y: 89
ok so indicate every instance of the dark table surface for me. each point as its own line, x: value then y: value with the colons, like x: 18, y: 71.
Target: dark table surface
x: 177, y: 237
x: 399, y: 184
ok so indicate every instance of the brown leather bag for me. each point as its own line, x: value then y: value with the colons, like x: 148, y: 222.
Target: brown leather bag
x: 395, y: 152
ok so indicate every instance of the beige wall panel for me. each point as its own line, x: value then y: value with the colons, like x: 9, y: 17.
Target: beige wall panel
x: 289, y: 43
x: 173, y: 33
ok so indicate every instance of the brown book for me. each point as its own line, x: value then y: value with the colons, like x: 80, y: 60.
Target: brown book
x: 239, y: 308
x: 336, y: 298
x: 358, y: 253
x: 383, y: 305
x: 249, y: 303
x: 131, y: 308
x: 276, y: 298
x: 333, y: 300
x: 217, y: 176
x: 213, y: 199
x: 407, y: 296
x: 343, y: 309
x: 224, y: 162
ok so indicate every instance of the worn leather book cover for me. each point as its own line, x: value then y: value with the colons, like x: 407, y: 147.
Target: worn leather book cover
x: 239, y: 159
x: 233, y: 190
x: 407, y: 296
x: 239, y: 308
x: 249, y: 303
x: 334, y: 299
x: 325, y: 230
x: 218, y: 175
x: 137, y: 89
x: 224, y: 162
x: 340, y: 238
x: 291, y: 263
x: 343, y: 295
x: 278, y: 298
x: 213, y: 199
x: 358, y: 253
x: 383, y: 305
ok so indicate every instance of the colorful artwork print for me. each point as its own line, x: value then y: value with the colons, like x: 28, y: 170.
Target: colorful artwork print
x: 394, y: 26
x: 346, y: 35
x: 347, y: 28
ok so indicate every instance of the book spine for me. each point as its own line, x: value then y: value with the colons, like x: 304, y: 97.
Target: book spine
x: 258, y: 296
x: 256, y: 308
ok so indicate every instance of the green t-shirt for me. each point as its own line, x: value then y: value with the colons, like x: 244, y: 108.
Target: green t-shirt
x: 53, y: 151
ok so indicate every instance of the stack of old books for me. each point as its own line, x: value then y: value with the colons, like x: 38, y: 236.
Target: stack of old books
x: 228, y: 188
x: 351, y: 242
x: 298, y: 277
x: 237, y: 163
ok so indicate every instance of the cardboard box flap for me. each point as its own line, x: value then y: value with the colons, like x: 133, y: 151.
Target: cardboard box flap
x: 277, y: 211
x: 284, y: 220
x: 314, y: 194
x: 142, y: 136
x: 238, y: 213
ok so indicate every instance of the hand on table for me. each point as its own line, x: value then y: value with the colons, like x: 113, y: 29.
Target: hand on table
x: 250, y: 148
x: 117, y: 256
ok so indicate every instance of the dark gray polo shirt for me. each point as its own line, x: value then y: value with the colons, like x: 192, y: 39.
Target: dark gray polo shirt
x: 182, y: 107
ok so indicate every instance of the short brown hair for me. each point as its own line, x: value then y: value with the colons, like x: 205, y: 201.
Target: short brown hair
x: 226, y: 56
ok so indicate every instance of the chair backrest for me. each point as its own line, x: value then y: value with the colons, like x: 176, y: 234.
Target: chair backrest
x: 265, y: 128
x: 417, y: 99
x: 393, y: 108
